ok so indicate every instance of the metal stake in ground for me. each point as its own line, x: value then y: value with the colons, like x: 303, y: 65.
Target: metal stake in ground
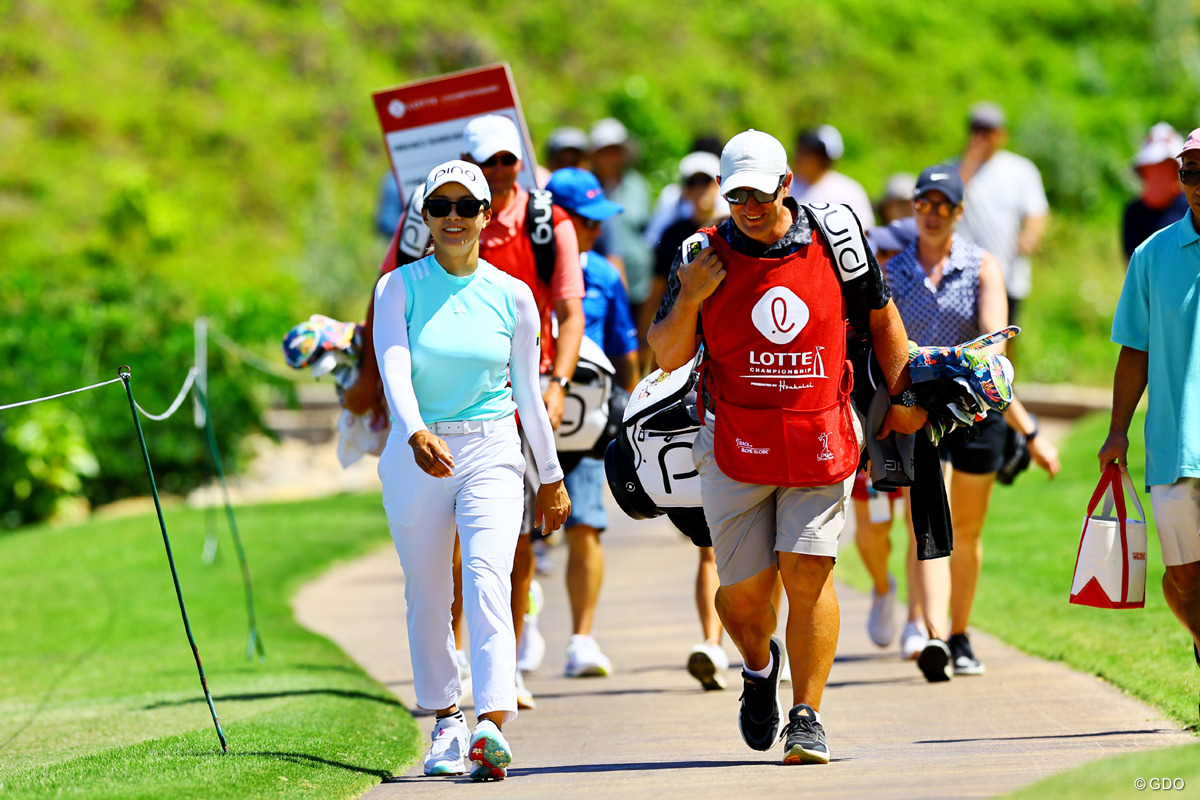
x: 254, y: 643
x: 124, y: 373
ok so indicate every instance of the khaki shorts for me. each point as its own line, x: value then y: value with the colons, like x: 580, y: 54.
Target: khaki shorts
x: 750, y: 522
x: 1177, y: 520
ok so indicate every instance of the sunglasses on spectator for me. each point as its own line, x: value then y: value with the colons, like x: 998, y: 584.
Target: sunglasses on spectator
x: 505, y: 159
x: 739, y: 197
x: 467, y: 207
x: 590, y: 224
x: 944, y: 208
x: 1189, y: 177
x: 699, y: 181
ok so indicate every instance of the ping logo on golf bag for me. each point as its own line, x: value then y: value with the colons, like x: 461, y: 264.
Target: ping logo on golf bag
x: 844, y: 234
x: 541, y: 227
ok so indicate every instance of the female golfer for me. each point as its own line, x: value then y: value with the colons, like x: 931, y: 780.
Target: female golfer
x: 457, y: 343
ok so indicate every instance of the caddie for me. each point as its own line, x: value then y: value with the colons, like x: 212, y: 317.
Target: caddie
x: 1157, y: 324
x: 781, y: 440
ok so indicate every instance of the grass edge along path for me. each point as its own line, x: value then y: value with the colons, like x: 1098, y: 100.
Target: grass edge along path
x: 98, y: 696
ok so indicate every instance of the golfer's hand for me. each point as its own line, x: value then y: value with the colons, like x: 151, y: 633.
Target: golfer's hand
x: 1045, y: 455
x: 701, y: 277
x: 1115, y: 448
x: 554, y: 400
x: 432, y: 454
x: 903, y: 419
x: 552, y: 506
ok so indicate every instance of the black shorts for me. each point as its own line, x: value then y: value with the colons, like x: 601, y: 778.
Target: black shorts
x: 979, y: 455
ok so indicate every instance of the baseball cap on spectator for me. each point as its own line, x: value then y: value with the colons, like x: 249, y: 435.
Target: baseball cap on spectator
x: 900, y: 186
x: 1161, y: 144
x: 825, y: 140
x: 1192, y: 143
x: 567, y: 138
x: 986, y: 116
x: 579, y: 191
x: 699, y: 163
x: 462, y: 172
x: 754, y: 160
x: 485, y: 136
x: 893, y: 237
x: 943, y: 178
x: 607, y: 133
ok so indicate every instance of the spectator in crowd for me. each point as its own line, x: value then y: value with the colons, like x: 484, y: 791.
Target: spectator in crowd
x: 817, y: 150
x: 565, y: 147
x: 457, y: 342
x: 874, y: 511
x: 770, y: 516
x: 620, y: 241
x: 1162, y: 201
x: 671, y: 206
x: 1157, y: 324
x: 494, y: 143
x: 896, y: 202
x: 949, y: 290
x: 1005, y: 211
x: 610, y: 325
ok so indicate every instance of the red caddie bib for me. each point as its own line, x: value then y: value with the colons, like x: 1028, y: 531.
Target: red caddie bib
x: 776, y: 371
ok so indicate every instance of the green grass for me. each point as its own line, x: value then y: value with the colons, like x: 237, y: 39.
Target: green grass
x: 1030, y: 542
x: 99, y: 695
x: 1114, y: 778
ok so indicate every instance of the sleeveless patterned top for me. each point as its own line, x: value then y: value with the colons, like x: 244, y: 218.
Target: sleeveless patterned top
x: 947, y: 315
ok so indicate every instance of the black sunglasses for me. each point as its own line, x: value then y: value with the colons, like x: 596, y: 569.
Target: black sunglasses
x: 1189, y: 177
x: 467, y: 207
x: 506, y: 159
x: 739, y: 197
x: 590, y: 224
x: 944, y: 208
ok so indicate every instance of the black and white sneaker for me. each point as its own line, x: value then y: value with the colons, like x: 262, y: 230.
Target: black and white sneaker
x: 760, y: 718
x: 934, y: 661
x: 963, y: 657
x: 805, y: 742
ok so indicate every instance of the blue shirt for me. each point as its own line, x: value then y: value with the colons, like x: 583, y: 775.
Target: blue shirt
x: 460, y: 336
x: 947, y: 314
x: 608, y: 319
x: 1159, y: 313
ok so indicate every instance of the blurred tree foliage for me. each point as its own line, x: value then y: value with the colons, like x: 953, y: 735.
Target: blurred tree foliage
x: 162, y: 159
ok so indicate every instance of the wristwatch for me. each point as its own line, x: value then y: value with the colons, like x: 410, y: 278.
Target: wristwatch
x: 907, y: 398
x: 565, y: 383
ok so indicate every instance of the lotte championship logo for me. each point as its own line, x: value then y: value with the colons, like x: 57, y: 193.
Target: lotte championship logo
x: 779, y: 315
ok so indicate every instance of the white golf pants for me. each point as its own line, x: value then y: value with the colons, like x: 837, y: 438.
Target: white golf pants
x: 484, y: 499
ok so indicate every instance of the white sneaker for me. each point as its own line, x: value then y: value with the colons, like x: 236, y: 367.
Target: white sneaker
x: 913, y: 640
x: 543, y: 563
x: 524, y: 696
x: 881, y: 623
x: 584, y: 658
x: 445, y: 756
x: 707, y: 663
x: 490, y: 753
x: 532, y: 648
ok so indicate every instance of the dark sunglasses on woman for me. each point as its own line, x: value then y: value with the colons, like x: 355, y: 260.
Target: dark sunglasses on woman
x: 944, y: 208
x: 739, y: 197
x: 467, y: 207
x: 1189, y: 177
x: 505, y: 159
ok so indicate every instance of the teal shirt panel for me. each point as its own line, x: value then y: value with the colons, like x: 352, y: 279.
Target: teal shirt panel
x: 1159, y: 313
x: 460, y: 333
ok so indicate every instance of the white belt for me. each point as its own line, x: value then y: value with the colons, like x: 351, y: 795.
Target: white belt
x: 459, y: 426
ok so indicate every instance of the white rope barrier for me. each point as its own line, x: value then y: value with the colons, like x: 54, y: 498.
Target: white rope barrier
x: 187, y: 384
x: 61, y: 394
x: 251, y: 358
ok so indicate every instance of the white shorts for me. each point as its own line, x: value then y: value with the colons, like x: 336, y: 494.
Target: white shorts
x: 1177, y: 520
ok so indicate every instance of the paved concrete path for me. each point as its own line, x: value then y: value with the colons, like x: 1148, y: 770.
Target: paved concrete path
x: 650, y: 732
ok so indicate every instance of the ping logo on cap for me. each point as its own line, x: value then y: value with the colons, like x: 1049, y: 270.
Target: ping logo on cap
x: 453, y: 169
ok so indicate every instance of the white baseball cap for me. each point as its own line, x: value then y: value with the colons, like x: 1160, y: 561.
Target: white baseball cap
x: 1161, y: 144
x: 699, y: 163
x: 753, y: 159
x: 485, y: 136
x: 608, y: 132
x: 461, y: 172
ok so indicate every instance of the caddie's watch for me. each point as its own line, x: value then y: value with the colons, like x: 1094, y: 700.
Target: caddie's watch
x: 907, y: 398
x: 565, y: 383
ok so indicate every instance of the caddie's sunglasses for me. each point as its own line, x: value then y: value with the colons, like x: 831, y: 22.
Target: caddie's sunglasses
x: 505, y: 159
x: 467, y: 207
x: 739, y: 197
x: 944, y: 208
x: 1189, y: 177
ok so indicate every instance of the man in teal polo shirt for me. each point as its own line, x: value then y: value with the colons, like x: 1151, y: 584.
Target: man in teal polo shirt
x: 1157, y: 325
